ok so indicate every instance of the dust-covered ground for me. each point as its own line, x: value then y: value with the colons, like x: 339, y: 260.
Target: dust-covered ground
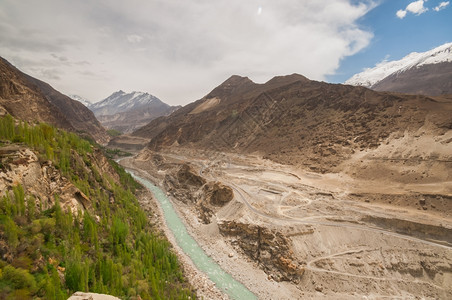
x: 375, y: 230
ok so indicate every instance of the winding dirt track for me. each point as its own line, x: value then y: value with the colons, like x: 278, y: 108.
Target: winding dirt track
x: 308, y: 220
x: 310, y: 266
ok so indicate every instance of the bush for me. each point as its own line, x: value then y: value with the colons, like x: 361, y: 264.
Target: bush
x: 11, y: 232
x: 114, y: 132
x: 18, y: 278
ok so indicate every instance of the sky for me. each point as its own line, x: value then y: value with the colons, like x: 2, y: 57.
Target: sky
x: 180, y: 50
x: 398, y: 28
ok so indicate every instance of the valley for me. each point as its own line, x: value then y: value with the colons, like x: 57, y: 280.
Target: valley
x: 288, y: 233
x: 226, y: 150
x: 296, y: 188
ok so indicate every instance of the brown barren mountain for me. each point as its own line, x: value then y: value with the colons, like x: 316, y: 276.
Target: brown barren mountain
x: 432, y: 80
x: 30, y: 99
x: 293, y: 120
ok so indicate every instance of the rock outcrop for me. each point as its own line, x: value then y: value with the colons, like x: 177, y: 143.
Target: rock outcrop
x: 184, y: 184
x: 214, y: 196
x: 271, y: 249
x: 43, y: 181
x: 187, y: 186
x: 218, y: 194
x: 188, y: 178
x: 91, y: 296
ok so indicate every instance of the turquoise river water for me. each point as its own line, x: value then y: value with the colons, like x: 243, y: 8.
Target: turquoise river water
x: 223, y: 280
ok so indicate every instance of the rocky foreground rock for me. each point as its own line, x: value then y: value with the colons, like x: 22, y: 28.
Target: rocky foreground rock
x: 91, y: 296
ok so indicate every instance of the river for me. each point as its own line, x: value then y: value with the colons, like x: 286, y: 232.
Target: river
x: 223, y: 280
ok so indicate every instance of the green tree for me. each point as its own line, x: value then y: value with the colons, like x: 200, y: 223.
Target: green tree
x: 18, y: 278
x: 74, y: 276
x: 11, y: 231
x: 31, y: 208
x: 19, y: 196
x: 119, y: 231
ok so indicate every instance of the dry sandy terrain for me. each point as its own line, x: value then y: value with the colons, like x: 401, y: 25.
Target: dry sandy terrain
x: 349, y: 238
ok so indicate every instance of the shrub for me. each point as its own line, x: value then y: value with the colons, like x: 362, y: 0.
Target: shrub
x: 18, y: 278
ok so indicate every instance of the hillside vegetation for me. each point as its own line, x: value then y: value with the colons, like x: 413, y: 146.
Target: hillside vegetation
x: 108, y: 247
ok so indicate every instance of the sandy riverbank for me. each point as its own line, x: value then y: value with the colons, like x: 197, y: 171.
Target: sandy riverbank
x: 231, y: 259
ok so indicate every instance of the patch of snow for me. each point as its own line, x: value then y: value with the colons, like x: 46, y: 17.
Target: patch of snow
x: 80, y: 99
x: 121, y: 101
x: 371, y: 76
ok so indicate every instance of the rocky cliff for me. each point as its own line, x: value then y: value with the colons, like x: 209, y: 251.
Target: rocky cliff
x: 42, y: 180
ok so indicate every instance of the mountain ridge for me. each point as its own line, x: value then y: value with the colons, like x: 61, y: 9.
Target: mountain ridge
x: 426, y: 73
x: 31, y: 99
x: 79, y: 115
x: 121, y: 101
x: 126, y: 112
x: 80, y: 99
x: 293, y: 120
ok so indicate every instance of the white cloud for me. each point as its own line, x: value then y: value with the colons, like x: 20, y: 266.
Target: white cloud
x: 178, y: 50
x: 134, y: 38
x: 259, y: 10
x: 441, y: 6
x: 401, y: 13
x: 415, y: 7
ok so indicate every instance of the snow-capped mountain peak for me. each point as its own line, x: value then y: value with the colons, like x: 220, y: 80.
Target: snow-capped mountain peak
x: 371, y: 76
x: 120, y: 101
x: 80, y: 99
x: 128, y: 111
